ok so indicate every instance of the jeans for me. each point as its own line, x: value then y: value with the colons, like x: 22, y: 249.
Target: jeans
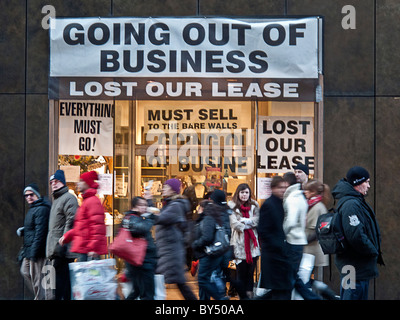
x: 208, y: 288
x: 359, y: 293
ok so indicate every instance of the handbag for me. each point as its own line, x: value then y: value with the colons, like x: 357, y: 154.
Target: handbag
x: 93, y: 280
x: 132, y: 250
x: 220, y: 244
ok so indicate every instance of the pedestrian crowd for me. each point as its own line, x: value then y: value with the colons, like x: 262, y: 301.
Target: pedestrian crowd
x: 280, y: 236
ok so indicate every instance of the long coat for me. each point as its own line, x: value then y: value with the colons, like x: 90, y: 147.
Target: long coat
x: 237, y: 239
x: 61, y: 220
x: 171, y: 226
x: 89, y: 231
x: 275, y: 265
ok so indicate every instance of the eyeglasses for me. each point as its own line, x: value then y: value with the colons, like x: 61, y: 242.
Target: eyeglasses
x: 29, y: 195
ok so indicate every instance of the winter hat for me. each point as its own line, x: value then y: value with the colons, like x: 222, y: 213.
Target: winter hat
x: 60, y: 176
x: 303, y: 168
x: 89, y: 178
x: 357, y: 175
x: 34, y: 188
x: 175, y: 185
x: 218, y: 196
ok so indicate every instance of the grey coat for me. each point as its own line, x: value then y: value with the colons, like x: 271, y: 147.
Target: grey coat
x: 171, y: 226
x: 61, y: 220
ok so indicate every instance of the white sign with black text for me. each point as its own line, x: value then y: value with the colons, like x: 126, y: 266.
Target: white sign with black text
x: 283, y: 142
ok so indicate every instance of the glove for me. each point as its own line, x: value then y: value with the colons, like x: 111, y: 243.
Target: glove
x: 20, y: 232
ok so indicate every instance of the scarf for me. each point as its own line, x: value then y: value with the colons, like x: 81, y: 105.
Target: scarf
x: 313, y: 201
x: 248, y: 236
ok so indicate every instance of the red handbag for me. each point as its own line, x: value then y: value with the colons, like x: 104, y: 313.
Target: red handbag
x: 132, y: 250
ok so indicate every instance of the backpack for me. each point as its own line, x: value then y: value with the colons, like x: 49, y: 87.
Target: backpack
x: 330, y: 233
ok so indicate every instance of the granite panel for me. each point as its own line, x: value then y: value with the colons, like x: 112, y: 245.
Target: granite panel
x: 387, y: 202
x: 37, y: 136
x: 387, y: 48
x: 153, y: 8
x: 348, y: 54
x: 348, y: 141
x: 12, y: 144
x: 38, y: 38
x: 242, y: 7
x: 12, y: 46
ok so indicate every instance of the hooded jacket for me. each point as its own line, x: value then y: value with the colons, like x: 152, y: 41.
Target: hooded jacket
x: 89, y: 231
x: 361, y: 232
x: 35, y: 229
x: 296, y: 207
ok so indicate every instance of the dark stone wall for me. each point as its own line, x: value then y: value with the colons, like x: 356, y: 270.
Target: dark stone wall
x: 361, y: 105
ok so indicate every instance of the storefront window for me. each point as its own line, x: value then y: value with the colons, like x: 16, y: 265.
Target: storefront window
x: 206, y: 144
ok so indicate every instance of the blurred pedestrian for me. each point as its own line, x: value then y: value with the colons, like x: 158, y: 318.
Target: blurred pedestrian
x: 276, y: 271
x: 139, y: 222
x: 209, y: 266
x: 171, y: 230
x: 295, y: 206
x: 361, y: 231
x: 61, y: 220
x: 88, y: 235
x: 244, y: 222
x: 34, y: 232
x: 319, y: 198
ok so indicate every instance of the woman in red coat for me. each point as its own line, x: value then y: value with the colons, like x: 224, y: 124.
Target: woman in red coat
x: 88, y: 235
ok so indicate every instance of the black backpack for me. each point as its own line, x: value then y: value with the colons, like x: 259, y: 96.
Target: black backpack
x: 330, y: 233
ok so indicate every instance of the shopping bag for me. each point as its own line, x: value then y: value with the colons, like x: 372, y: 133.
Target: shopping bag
x: 159, y: 287
x: 132, y: 250
x: 93, y: 280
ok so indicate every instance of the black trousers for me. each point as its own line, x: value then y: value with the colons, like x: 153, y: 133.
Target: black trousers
x: 63, y: 282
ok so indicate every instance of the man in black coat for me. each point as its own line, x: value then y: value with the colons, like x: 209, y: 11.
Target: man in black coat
x: 34, y: 232
x: 275, y: 264
x: 358, y: 263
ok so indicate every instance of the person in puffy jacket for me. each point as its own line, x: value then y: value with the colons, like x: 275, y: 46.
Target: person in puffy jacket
x: 34, y: 232
x: 361, y: 231
x: 139, y: 222
x: 171, y: 231
x: 88, y: 235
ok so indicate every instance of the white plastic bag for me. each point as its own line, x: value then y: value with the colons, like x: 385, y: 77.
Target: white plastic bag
x: 93, y: 280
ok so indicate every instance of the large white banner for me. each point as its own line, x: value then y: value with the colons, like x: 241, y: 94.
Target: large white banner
x: 86, y: 128
x: 185, y: 58
x: 283, y: 142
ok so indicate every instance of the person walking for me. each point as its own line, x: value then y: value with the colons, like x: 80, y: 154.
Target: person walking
x: 88, y: 235
x: 139, y: 222
x: 362, y: 234
x: 319, y: 198
x: 276, y: 272
x: 244, y: 222
x: 171, y: 229
x: 61, y: 220
x: 209, y: 266
x: 295, y: 207
x: 34, y: 232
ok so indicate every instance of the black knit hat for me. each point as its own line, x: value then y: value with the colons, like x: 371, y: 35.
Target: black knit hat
x: 218, y: 196
x: 34, y: 188
x: 357, y: 175
x: 303, y: 168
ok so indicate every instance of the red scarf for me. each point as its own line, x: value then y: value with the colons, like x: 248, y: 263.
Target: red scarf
x: 313, y: 201
x: 248, y: 235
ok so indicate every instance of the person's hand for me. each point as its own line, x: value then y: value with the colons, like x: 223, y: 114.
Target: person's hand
x: 61, y: 241
x: 92, y: 254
